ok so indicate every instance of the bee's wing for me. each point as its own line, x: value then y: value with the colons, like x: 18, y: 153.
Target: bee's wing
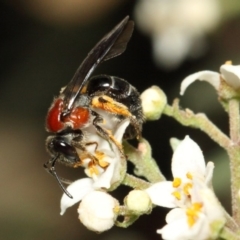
x: 111, y: 45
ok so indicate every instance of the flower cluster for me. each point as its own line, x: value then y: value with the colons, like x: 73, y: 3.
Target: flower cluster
x: 103, y: 174
x: 228, y: 73
x: 177, y: 28
x: 195, y: 207
x: 195, y: 212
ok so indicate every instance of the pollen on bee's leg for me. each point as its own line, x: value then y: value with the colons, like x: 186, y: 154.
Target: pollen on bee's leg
x: 108, y: 104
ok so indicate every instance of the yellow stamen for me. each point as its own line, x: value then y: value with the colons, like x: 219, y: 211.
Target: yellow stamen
x: 116, y: 209
x: 176, y: 182
x: 192, y: 213
x: 177, y: 195
x: 100, y: 156
x: 186, y: 188
x: 189, y: 175
x: 197, y: 206
x: 190, y: 220
x: 92, y: 169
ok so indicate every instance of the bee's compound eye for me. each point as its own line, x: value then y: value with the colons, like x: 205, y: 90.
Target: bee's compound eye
x: 61, y: 146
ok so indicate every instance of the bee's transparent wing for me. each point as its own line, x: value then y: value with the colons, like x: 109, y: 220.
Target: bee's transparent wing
x: 111, y: 45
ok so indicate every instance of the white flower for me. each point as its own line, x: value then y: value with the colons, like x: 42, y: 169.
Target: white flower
x: 97, y: 211
x: 109, y: 169
x: 201, y: 220
x: 177, y: 28
x: 229, y: 73
x: 194, y: 203
x: 187, y: 163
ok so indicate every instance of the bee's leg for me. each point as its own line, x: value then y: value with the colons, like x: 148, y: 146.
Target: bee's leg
x: 50, y: 167
x: 93, y: 143
x: 106, y: 134
x: 79, y: 142
x: 110, y: 105
x: 84, y: 153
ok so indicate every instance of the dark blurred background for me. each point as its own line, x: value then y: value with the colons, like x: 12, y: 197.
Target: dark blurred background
x: 42, y: 43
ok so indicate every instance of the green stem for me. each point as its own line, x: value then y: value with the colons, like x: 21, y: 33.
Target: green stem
x: 129, y: 218
x: 226, y: 233
x: 135, y: 182
x: 230, y: 222
x: 234, y: 155
x: 188, y: 118
x: 234, y: 120
x: 145, y: 165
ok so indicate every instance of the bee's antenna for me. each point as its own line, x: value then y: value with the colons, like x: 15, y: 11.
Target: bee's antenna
x: 52, y: 171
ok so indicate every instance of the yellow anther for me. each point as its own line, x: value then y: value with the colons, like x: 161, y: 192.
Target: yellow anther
x: 176, y: 182
x: 189, y: 175
x: 192, y: 213
x: 190, y: 221
x: 177, y: 195
x: 102, y: 163
x: 92, y: 169
x: 197, y: 206
x: 186, y: 188
x: 116, y: 209
x: 100, y: 156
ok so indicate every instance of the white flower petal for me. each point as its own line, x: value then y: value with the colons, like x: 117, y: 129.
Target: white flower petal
x: 212, y: 206
x: 231, y: 75
x: 161, y: 194
x: 175, y: 230
x: 178, y: 228
x: 96, y: 211
x: 112, y: 173
x: 176, y: 213
x: 209, y: 76
x: 120, y: 130
x: 188, y: 158
x: 104, y: 180
x: 78, y: 190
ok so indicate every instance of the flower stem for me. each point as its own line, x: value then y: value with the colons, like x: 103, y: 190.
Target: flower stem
x: 129, y: 218
x: 188, y: 118
x: 234, y: 120
x: 135, y: 182
x: 230, y: 223
x: 226, y: 233
x: 145, y: 165
x: 234, y: 155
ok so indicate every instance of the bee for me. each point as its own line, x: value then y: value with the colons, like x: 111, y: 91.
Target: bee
x: 84, y: 101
